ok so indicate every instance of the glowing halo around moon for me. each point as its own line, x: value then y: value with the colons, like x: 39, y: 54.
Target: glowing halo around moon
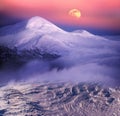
x: 75, y: 13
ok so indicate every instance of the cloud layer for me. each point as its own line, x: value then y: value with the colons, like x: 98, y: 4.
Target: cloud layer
x: 84, y: 57
x: 86, y: 61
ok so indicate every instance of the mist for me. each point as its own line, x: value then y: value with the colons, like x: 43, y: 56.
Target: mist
x: 49, y: 53
x: 90, y: 63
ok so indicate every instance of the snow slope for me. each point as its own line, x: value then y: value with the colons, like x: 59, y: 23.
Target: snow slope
x: 41, y: 34
x: 38, y: 33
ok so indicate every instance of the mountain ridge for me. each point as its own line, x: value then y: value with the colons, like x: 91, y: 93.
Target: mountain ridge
x: 35, y: 32
x: 38, y: 38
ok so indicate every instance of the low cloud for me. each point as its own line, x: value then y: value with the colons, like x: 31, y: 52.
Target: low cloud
x: 89, y: 61
x: 85, y: 59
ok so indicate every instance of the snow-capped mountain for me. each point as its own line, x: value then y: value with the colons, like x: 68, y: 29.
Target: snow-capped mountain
x: 37, y: 46
x: 28, y: 34
x: 39, y: 38
x: 41, y: 34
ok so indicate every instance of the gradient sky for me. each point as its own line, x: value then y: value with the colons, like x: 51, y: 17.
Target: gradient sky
x: 97, y: 14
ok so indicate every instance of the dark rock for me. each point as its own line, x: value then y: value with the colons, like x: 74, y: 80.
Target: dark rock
x: 2, y: 112
x: 75, y: 90
x: 81, y: 87
x: 106, y: 93
x: 59, y: 94
x: 95, y: 92
x: 91, y: 88
x: 110, y: 100
x: 86, y: 96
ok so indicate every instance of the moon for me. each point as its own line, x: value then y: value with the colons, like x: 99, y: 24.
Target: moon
x: 75, y: 13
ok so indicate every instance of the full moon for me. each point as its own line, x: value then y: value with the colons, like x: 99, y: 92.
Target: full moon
x: 75, y: 13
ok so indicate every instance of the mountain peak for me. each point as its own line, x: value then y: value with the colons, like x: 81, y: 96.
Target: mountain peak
x: 83, y: 32
x: 36, y: 22
x: 42, y: 24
